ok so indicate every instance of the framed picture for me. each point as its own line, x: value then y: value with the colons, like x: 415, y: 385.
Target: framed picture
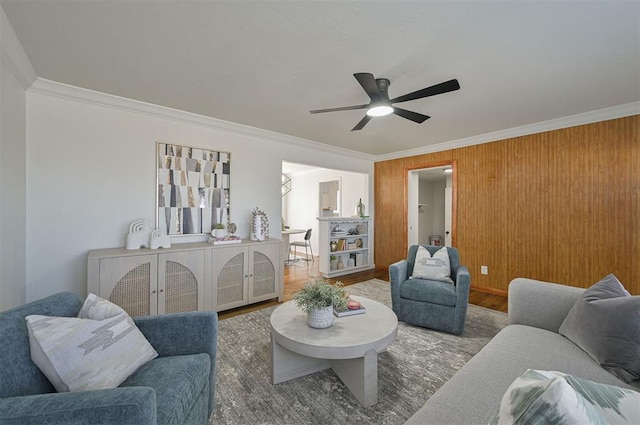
x: 192, y: 189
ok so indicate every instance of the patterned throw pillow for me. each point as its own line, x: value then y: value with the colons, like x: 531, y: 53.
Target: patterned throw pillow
x: 548, y: 397
x: 436, y: 267
x: 99, y: 349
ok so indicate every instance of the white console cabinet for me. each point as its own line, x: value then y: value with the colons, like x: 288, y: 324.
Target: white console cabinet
x: 347, y: 239
x: 187, y: 277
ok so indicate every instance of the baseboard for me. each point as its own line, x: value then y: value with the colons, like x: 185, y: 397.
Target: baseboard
x: 488, y: 290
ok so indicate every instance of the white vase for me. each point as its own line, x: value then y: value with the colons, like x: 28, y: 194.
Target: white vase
x: 320, y: 318
x: 219, y: 233
x: 334, y: 264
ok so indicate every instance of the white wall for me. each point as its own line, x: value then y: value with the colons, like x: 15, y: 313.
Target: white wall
x: 92, y: 171
x: 15, y: 73
x: 303, y: 206
x: 13, y: 188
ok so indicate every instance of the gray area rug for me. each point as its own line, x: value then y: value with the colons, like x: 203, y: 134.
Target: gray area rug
x: 415, y: 365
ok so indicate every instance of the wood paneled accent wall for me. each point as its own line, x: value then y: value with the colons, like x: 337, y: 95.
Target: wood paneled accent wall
x: 559, y: 206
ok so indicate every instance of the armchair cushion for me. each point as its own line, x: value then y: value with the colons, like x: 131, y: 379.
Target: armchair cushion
x: 430, y: 266
x: 180, y: 383
x: 430, y: 291
x: 97, y: 350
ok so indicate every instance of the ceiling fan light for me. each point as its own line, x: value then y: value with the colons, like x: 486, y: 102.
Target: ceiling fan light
x: 379, y: 111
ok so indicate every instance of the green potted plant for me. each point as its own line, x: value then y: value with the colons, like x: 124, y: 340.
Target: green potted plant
x: 219, y: 231
x: 318, y: 298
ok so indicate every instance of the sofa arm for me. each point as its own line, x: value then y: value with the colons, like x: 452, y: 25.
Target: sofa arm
x: 540, y: 304
x: 177, y: 334
x: 398, y: 272
x: 463, y: 281
x: 117, y: 406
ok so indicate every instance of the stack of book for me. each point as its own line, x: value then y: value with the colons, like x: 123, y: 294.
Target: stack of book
x: 225, y: 240
x: 350, y: 311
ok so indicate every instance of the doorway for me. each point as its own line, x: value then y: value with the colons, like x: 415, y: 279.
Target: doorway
x: 430, y: 209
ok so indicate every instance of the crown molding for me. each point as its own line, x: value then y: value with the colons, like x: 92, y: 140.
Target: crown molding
x: 614, y: 112
x: 75, y: 93
x: 53, y: 88
x: 12, y: 53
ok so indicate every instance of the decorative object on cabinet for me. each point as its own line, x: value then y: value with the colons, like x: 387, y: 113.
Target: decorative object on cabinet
x: 259, y: 225
x: 159, y: 240
x: 344, y: 245
x: 219, y: 232
x: 193, y: 189
x: 138, y: 236
x: 333, y: 262
x: 318, y: 299
x: 187, y: 277
x: 232, y: 228
x: 360, y: 209
x: 225, y: 241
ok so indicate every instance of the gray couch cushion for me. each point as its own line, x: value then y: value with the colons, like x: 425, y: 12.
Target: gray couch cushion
x: 605, y: 322
x: 473, y: 394
x: 178, y: 381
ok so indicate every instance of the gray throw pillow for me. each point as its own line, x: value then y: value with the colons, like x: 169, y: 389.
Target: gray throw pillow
x: 605, y: 323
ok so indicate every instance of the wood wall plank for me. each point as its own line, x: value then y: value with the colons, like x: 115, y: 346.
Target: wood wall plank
x: 559, y: 206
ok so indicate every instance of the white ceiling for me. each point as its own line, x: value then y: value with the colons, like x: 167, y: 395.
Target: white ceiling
x: 267, y: 63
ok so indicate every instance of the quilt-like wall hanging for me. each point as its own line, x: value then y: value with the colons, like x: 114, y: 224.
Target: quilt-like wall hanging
x: 193, y: 189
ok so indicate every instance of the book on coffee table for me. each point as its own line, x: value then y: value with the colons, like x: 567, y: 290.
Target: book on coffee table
x: 349, y: 311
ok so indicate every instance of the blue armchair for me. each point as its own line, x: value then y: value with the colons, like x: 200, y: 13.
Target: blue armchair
x: 175, y: 388
x: 430, y: 303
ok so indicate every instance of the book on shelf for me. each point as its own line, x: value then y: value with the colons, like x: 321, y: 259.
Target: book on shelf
x: 357, y: 258
x: 224, y: 241
x: 349, y: 311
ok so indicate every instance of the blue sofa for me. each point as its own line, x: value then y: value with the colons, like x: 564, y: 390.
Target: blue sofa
x: 175, y: 388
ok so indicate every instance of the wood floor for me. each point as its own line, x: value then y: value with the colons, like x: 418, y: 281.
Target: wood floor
x: 297, y: 275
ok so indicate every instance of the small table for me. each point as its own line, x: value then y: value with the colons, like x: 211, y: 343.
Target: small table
x: 287, y: 242
x: 350, y: 347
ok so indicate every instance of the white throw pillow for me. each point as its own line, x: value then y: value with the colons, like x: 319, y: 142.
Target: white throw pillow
x: 553, y: 397
x: 99, y: 349
x: 436, y: 267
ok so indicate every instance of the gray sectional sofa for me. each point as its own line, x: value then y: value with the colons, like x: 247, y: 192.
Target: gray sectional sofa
x: 531, y: 341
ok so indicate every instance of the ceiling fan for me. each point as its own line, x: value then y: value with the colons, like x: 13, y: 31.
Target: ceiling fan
x: 380, y: 105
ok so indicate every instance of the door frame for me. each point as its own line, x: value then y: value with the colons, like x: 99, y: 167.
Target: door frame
x: 454, y: 198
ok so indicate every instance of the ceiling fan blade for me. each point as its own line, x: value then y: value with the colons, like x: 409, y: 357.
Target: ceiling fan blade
x: 362, y: 123
x: 368, y: 83
x: 410, y: 115
x: 342, y: 108
x: 445, y: 87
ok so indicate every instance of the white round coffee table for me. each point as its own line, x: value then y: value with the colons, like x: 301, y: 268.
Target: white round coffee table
x: 350, y: 347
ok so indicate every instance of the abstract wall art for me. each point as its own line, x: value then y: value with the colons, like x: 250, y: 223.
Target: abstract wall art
x: 193, y: 189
